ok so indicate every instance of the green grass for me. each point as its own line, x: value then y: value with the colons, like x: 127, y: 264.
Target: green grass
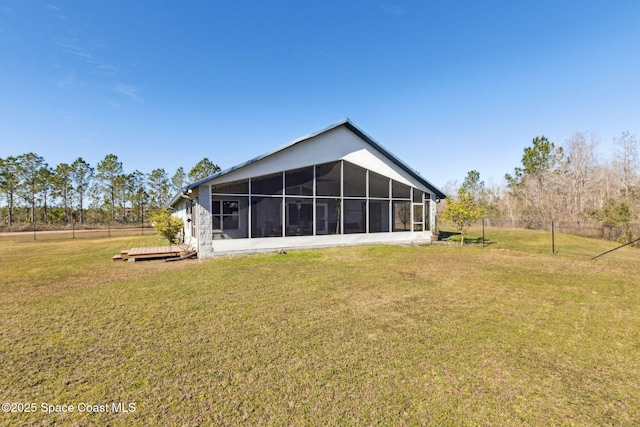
x: 540, y: 242
x: 365, y: 335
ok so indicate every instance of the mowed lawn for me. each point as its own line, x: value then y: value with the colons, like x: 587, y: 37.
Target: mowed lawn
x: 368, y: 335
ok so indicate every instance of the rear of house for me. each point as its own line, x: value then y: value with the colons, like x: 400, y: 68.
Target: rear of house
x: 334, y: 187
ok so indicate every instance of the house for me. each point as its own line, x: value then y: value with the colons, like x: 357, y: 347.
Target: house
x: 334, y: 187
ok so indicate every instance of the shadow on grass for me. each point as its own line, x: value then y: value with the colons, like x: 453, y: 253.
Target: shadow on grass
x: 445, y: 235
x: 455, y: 236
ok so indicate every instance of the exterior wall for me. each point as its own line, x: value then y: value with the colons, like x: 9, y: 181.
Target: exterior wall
x: 337, y: 144
x: 432, y: 213
x: 224, y: 247
x: 189, y: 217
x: 205, y: 223
x: 180, y: 211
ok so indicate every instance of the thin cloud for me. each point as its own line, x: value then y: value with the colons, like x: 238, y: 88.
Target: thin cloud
x: 391, y: 9
x: 75, y: 50
x: 56, y: 9
x: 68, y: 82
x: 128, y: 91
x: 97, y: 73
x: 98, y: 64
x: 98, y: 67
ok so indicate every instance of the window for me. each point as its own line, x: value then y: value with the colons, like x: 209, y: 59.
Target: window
x: 299, y: 182
x: 355, y: 181
x: 378, y: 186
x: 266, y: 216
x: 401, y: 191
x: 427, y: 212
x: 328, y: 179
x: 355, y: 218
x: 401, y: 216
x: 267, y: 184
x: 379, y: 215
x: 418, y: 222
x: 226, y: 214
x: 237, y: 187
x: 328, y: 216
x: 299, y: 217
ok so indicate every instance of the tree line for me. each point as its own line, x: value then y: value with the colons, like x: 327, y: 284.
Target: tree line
x: 569, y: 182
x: 562, y: 183
x: 78, y: 193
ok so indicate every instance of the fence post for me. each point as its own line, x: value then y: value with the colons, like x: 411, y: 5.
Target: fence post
x: 483, y: 232
x: 553, y: 238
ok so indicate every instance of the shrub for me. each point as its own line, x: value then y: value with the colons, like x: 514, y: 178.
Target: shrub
x: 167, y: 225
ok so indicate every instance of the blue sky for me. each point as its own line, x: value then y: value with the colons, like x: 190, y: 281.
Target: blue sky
x: 447, y: 86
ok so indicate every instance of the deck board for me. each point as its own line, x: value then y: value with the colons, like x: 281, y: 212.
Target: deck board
x: 152, y: 252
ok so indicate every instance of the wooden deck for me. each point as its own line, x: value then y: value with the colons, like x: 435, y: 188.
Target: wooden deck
x: 155, y: 252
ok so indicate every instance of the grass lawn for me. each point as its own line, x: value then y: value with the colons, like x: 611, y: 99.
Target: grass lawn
x: 540, y: 242
x: 385, y: 335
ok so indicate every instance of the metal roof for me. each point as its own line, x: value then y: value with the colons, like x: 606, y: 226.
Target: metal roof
x: 346, y: 123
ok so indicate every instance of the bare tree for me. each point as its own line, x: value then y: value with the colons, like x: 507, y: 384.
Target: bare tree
x: 626, y: 160
x: 536, y: 183
x: 578, y: 167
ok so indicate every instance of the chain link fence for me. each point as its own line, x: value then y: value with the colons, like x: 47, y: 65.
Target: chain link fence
x: 75, y: 232
x: 593, y: 240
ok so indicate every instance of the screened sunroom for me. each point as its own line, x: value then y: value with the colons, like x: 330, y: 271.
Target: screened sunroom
x: 334, y: 187
x: 330, y: 198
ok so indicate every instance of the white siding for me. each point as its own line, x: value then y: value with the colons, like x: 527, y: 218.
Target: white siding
x: 337, y: 144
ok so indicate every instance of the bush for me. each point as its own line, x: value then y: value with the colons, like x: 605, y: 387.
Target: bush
x: 167, y: 225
